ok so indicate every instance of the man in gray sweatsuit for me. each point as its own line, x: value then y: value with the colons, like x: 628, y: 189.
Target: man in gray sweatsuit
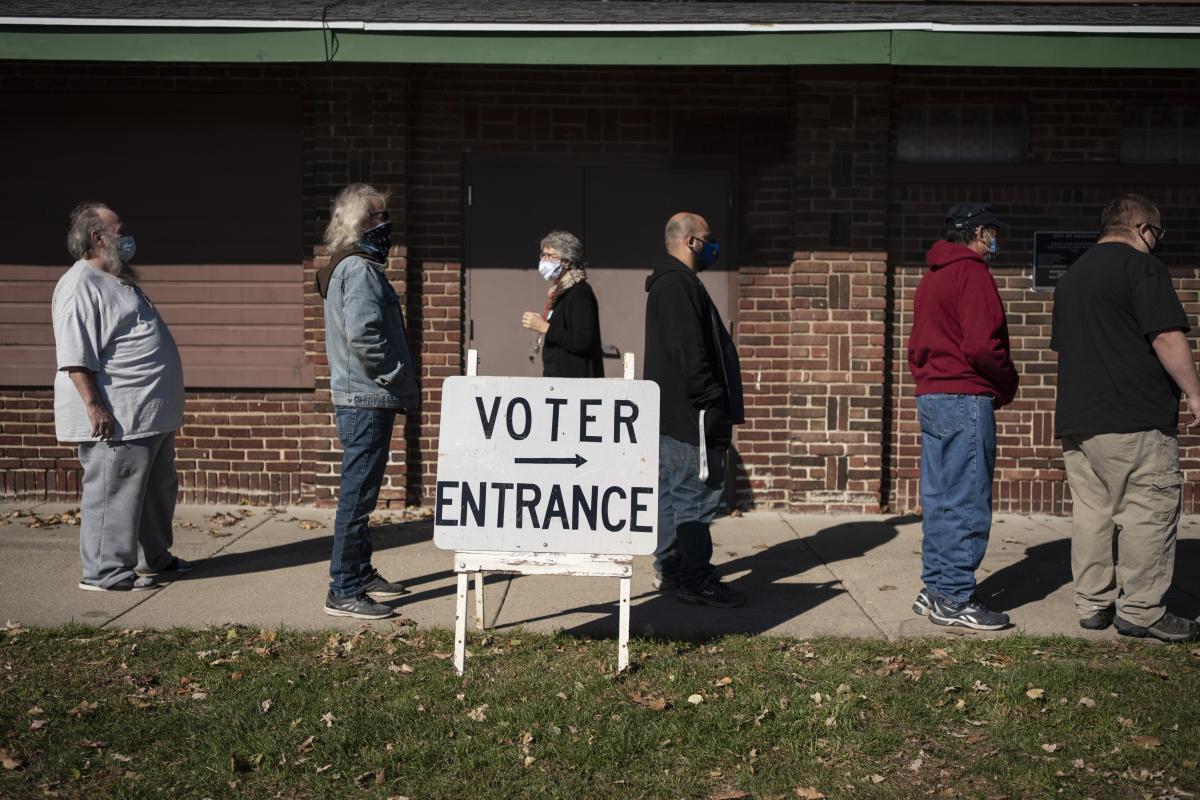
x: 118, y: 392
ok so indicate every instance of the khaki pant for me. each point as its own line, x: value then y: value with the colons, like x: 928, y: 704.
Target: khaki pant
x: 1126, y: 489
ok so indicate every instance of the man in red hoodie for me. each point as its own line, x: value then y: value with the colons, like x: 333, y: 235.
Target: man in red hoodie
x: 958, y: 355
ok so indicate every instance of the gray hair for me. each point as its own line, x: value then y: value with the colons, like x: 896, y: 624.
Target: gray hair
x: 567, y: 244
x: 85, y: 220
x: 351, y: 208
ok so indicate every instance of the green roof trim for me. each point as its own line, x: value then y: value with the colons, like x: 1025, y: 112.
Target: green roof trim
x: 1082, y: 51
x: 900, y: 47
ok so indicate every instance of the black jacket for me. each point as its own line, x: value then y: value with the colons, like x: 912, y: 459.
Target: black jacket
x: 690, y: 356
x: 571, y: 347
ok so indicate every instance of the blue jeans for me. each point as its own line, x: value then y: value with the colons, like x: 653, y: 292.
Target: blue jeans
x: 686, y: 506
x: 366, y: 437
x: 958, y: 459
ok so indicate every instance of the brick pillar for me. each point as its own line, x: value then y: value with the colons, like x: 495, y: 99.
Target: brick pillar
x: 837, y: 374
x: 436, y: 323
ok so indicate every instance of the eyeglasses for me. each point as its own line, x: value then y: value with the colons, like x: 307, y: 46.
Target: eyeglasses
x: 382, y: 216
x: 1158, y: 232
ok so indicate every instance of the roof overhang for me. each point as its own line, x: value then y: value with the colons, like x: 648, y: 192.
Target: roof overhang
x: 658, y: 44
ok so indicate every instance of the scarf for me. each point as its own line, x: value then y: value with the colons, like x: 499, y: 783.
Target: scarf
x: 570, y: 277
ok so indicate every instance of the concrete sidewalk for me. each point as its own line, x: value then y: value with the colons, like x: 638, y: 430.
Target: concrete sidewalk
x: 805, y: 575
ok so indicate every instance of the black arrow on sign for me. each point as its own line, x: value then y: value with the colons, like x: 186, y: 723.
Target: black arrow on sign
x: 577, y: 460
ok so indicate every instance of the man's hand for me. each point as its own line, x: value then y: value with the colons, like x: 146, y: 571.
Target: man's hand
x: 102, y: 421
x: 1193, y: 404
x: 534, y: 322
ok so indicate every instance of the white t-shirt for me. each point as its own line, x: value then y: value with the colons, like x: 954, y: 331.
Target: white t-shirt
x: 111, y: 328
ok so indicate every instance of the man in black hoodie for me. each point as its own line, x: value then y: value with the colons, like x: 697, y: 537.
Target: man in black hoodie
x: 692, y: 359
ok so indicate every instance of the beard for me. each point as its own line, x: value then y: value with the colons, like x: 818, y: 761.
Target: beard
x: 112, y: 263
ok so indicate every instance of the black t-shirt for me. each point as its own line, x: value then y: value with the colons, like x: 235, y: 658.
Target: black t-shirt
x: 1106, y: 306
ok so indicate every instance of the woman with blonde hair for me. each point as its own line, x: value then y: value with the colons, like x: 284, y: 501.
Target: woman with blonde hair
x: 570, y: 321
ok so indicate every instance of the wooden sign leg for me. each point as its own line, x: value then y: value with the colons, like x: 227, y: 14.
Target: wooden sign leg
x: 460, y: 625
x: 479, y: 618
x: 623, y: 628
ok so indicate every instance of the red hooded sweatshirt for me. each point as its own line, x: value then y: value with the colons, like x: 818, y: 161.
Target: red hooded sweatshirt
x: 959, y: 339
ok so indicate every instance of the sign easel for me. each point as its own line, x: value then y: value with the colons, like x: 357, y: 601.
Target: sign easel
x: 606, y: 514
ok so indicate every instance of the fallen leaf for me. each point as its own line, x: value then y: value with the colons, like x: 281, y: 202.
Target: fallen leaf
x: 35, y: 711
x: 1148, y: 742
x: 122, y: 758
x: 1036, y: 694
x: 887, y: 587
x: 980, y: 687
x: 876, y: 778
x: 528, y: 762
x: 83, y: 709
x: 328, y: 718
x: 479, y: 713
x: 916, y: 764
x: 265, y: 706
x: 306, y: 745
x: 38, y: 724
x: 1087, y: 702
x: 732, y: 794
x: 1050, y: 748
x: 91, y: 743
x: 652, y: 702
x: 9, y: 761
x: 808, y: 793
x: 1125, y: 721
x: 695, y: 699
x: 322, y: 769
x: 308, y: 525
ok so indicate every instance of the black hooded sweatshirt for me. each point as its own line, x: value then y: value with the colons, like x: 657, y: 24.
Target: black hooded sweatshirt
x: 690, y: 356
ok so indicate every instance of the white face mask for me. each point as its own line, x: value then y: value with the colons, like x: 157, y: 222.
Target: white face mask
x: 549, y: 268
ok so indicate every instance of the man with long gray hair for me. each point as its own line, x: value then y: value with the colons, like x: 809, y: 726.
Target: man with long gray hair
x: 118, y: 392
x: 371, y: 378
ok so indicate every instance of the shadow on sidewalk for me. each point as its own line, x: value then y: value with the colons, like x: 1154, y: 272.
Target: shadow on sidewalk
x: 316, y: 549
x: 1046, y: 568
x: 763, y: 575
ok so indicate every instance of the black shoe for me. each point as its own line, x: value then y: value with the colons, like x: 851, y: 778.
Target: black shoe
x: 666, y: 582
x: 971, y: 614
x: 176, y: 564
x: 380, y: 588
x: 1100, y: 619
x: 922, y: 605
x: 361, y: 607
x: 1168, y: 629
x: 714, y: 593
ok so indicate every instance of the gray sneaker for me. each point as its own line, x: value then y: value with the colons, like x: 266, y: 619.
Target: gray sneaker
x: 361, y: 607
x: 1168, y: 629
x: 380, y: 588
x: 131, y: 584
x: 1100, y: 618
x: 922, y: 605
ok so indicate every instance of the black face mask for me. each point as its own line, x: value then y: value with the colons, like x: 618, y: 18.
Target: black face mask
x: 377, y: 241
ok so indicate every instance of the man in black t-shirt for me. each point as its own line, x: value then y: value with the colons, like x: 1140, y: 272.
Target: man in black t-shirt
x: 1122, y: 360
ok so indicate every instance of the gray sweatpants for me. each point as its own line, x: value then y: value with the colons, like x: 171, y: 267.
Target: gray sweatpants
x: 128, y: 501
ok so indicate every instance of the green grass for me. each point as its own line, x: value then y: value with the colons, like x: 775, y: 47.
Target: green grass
x: 180, y: 714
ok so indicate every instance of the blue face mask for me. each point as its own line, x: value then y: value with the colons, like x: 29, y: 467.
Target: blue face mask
x: 709, y: 253
x: 993, y: 248
x: 126, y: 247
x: 377, y: 241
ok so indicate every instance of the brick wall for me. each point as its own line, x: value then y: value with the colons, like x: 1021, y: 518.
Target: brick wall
x: 1072, y: 171
x: 831, y: 423
x: 811, y: 337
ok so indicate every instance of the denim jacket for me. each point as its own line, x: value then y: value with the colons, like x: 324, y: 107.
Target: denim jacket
x: 369, y: 360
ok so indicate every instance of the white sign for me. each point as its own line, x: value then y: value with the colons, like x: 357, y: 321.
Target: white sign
x: 551, y: 465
